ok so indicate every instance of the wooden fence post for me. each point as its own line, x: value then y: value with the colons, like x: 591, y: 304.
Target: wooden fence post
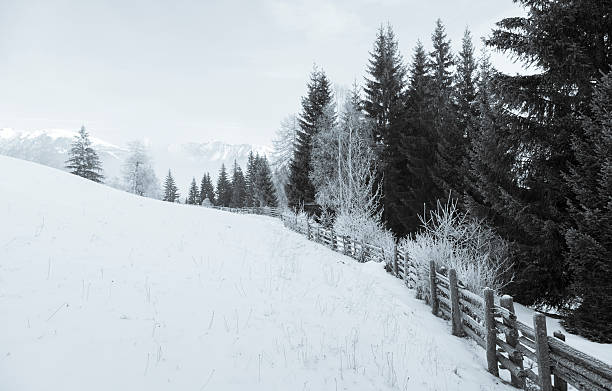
x: 454, y: 298
x: 395, y: 270
x: 542, y: 353
x: 333, y: 238
x: 491, y: 333
x: 363, y: 251
x: 559, y: 384
x: 432, y: 288
x: 512, y: 340
x: 308, y: 229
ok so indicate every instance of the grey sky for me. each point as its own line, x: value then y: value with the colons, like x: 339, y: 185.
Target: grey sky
x: 176, y: 71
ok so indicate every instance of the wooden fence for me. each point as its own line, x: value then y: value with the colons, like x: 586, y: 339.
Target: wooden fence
x: 534, y: 359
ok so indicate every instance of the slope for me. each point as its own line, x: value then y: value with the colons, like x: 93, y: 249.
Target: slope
x: 103, y: 290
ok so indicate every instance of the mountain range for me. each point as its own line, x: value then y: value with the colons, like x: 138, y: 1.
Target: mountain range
x: 187, y: 160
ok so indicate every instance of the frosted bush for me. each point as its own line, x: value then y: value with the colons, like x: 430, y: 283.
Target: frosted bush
x: 455, y: 240
x: 362, y: 227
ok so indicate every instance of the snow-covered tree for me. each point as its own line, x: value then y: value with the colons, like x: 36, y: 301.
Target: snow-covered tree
x: 207, y: 191
x: 284, y: 144
x: 83, y: 159
x: 170, y: 190
x: 344, y: 162
x: 138, y: 174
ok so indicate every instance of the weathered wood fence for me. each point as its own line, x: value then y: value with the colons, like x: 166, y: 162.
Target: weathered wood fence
x: 534, y: 359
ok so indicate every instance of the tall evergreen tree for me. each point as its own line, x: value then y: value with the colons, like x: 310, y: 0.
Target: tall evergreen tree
x: 299, y: 189
x: 417, y: 149
x: 250, y: 178
x: 239, y: 188
x: 193, y: 197
x: 467, y: 111
x: 385, y: 83
x: 224, y: 188
x: 568, y: 43
x: 207, y: 190
x: 450, y: 144
x: 264, y: 192
x: 83, y: 159
x: 170, y: 190
x: 385, y: 104
x: 589, y: 240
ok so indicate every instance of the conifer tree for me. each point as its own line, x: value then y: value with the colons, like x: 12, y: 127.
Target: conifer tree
x: 467, y: 111
x: 450, y: 145
x: 170, y: 190
x: 83, y: 159
x: 299, y: 189
x: 589, y: 239
x: 224, y: 188
x: 250, y: 179
x: 465, y: 86
x: 193, y: 197
x: 385, y: 83
x: 384, y: 103
x: 565, y: 42
x: 264, y: 192
x: 207, y: 190
x: 417, y: 188
x: 239, y: 188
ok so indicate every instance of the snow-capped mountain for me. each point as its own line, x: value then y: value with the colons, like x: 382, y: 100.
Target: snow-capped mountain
x: 50, y: 147
x: 188, y: 160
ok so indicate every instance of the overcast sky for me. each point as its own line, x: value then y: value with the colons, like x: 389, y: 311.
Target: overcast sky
x: 175, y: 71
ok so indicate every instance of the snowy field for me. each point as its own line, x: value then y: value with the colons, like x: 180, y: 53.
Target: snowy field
x: 102, y: 290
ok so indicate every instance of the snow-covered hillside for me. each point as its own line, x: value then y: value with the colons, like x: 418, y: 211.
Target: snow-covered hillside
x: 188, y: 160
x: 104, y: 290
x: 50, y: 147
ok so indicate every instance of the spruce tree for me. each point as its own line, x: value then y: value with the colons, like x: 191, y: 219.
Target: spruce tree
x: 300, y: 190
x: 385, y: 83
x: 417, y: 148
x: 450, y: 145
x: 564, y: 40
x: 239, y: 188
x: 207, y: 190
x: 385, y: 103
x: 264, y: 194
x: 249, y: 178
x: 589, y: 238
x: 83, y: 159
x: 467, y: 112
x: 224, y: 188
x: 170, y: 190
x: 193, y: 197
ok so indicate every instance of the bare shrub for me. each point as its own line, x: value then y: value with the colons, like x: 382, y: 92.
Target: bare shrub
x: 455, y: 240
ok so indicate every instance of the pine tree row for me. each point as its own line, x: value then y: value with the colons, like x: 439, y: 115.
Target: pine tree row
x: 256, y: 188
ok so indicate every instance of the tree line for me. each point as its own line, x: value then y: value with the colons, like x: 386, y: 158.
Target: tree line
x: 528, y: 154
x: 253, y: 189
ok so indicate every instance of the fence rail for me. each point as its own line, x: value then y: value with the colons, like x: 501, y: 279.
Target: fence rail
x: 509, y: 343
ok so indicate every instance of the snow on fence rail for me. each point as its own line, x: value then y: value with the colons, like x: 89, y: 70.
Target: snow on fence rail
x: 509, y: 344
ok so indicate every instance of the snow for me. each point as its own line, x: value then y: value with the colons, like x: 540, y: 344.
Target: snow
x: 104, y: 290
x: 600, y: 351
